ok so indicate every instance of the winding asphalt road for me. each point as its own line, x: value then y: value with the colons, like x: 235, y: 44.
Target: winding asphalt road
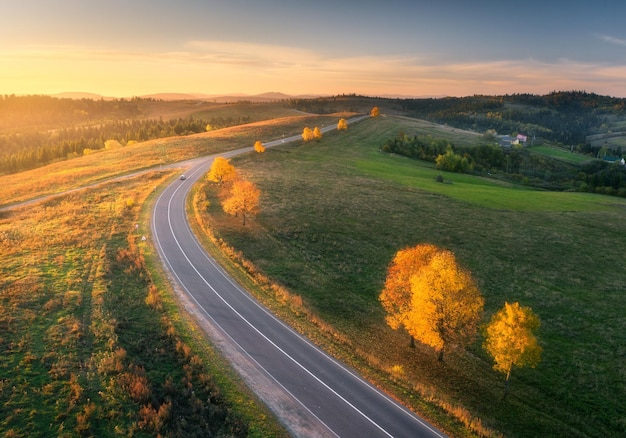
x: 310, y: 392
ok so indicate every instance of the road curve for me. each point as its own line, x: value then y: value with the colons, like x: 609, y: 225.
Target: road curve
x: 310, y: 392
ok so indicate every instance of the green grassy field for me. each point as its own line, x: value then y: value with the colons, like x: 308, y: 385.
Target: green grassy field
x: 334, y: 213
x: 560, y: 154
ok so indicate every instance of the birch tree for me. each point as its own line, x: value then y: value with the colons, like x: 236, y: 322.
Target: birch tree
x: 307, y: 134
x: 243, y: 199
x: 258, y: 147
x: 511, y: 341
x: 222, y: 171
x: 446, y: 304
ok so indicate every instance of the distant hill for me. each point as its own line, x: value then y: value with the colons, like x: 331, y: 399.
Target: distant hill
x: 172, y: 96
x: 263, y: 97
x: 221, y: 98
x: 81, y: 95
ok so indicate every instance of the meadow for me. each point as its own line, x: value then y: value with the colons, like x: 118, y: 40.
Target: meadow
x: 333, y: 214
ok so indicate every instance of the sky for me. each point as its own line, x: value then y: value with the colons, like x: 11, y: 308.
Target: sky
x: 125, y: 48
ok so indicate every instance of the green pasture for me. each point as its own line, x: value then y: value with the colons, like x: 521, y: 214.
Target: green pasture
x: 333, y: 214
x: 560, y: 154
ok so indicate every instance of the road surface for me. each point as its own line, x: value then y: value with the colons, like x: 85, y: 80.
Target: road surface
x: 310, y: 392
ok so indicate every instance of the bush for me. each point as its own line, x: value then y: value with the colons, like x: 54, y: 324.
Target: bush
x: 452, y: 162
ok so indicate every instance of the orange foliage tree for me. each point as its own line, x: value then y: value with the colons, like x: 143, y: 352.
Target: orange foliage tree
x: 258, y: 147
x: 317, y: 133
x: 222, y: 171
x: 342, y: 125
x: 243, y: 199
x: 375, y: 112
x: 436, y: 301
x: 510, y: 340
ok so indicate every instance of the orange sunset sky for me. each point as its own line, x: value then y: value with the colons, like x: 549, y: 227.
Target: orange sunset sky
x: 400, y: 48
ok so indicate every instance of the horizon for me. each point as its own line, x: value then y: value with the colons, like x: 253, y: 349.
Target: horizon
x: 398, y: 48
x: 274, y: 95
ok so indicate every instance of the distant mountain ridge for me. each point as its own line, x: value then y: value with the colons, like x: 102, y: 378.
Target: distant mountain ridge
x: 231, y: 97
x: 81, y: 95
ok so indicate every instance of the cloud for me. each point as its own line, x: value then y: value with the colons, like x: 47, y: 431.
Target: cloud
x: 612, y: 40
x: 226, y: 66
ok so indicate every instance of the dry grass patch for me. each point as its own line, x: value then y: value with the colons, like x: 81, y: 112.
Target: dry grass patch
x: 87, y: 346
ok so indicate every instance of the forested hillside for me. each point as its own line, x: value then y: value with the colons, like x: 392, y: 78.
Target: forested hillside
x: 565, y: 117
x: 36, y: 130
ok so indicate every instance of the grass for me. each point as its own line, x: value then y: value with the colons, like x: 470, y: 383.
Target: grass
x: 458, y: 137
x: 560, y: 154
x: 254, y: 111
x: 208, y: 110
x: 482, y: 192
x: 334, y: 213
x: 91, y: 343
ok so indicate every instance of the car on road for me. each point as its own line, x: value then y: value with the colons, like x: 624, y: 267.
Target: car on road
x: 183, y: 177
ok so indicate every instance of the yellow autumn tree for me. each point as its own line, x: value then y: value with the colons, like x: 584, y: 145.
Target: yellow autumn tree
x: 342, y: 125
x: 396, y: 294
x: 112, y: 144
x: 307, y: 134
x: 434, y: 299
x: 258, y: 147
x: 510, y: 339
x: 222, y: 171
x: 243, y: 199
x: 446, y: 304
x: 317, y: 133
x: 375, y: 112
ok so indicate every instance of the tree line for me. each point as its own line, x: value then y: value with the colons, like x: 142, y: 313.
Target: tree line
x: 28, y: 149
x: 17, y: 112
